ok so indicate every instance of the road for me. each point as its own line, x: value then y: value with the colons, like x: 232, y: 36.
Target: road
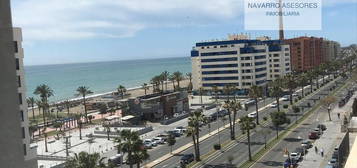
x: 238, y: 150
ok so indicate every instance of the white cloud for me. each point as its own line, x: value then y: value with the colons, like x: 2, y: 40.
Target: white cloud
x: 78, y: 19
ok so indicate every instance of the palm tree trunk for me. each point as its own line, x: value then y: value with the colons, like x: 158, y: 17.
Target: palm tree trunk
x: 195, y: 146
x: 291, y: 96
x: 329, y: 114
x: 277, y: 131
x: 234, y: 124
x: 85, y: 108
x: 198, y: 143
x: 256, y: 109
x: 302, y: 91
x: 278, y: 103
x: 33, y: 111
x: 230, y: 124
x: 138, y: 165
x: 130, y: 160
x: 317, y: 82
x: 46, y: 148
x: 80, y: 130
x: 249, y: 152
x: 311, y: 85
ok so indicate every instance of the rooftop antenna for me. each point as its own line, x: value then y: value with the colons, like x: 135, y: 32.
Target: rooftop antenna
x: 281, y: 27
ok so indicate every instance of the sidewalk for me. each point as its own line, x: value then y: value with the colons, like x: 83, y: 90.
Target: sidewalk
x: 328, y: 140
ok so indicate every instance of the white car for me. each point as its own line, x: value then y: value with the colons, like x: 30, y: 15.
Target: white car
x: 180, y: 131
x: 159, y: 140
x: 150, y: 142
x: 252, y: 115
x: 295, y: 155
x: 273, y: 105
x: 285, y: 98
x: 183, y: 129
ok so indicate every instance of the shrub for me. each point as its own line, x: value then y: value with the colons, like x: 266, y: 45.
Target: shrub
x: 299, y: 97
x: 315, y: 89
x: 217, y: 146
x: 285, y: 106
x: 308, y: 104
x: 296, y: 100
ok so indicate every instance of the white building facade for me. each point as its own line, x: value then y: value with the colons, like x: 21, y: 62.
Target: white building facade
x: 30, y: 153
x: 239, y: 61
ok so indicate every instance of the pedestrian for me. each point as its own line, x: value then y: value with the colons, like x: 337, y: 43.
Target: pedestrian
x: 322, y: 152
x: 338, y: 115
x: 315, y: 149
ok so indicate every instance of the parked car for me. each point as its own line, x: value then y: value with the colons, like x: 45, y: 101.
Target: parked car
x: 301, y: 150
x: 285, y: 98
x: 150, y: 141
x: 333, y: 162
x: 164, y: 136
x: 183, y: 129
x: 273, y: 105
x: 147, y: 144
x: 313, y: 135
x: 295, y: 156
x: 290, y: 163
x: 159, y: 140
x: 174, y: 133
x: 322, y: 127
x: 318, y: 131
x: 307, y: 144
x: 187, y: 158
x: 252, y: 115
x: 116, y: 160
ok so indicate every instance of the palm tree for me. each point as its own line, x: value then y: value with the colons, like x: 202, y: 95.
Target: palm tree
x: 290, y: 83
x: 165, y: 76
x: 67, y: 103
x: 316, y: 73
x: 302, y: 82
x: 310, y: 77
x: 121, y: 90
x: 278, y: 119
x: 155, y: 81
x: 194, y: 121
x: 228, y: 89
x: 129, y: 142
x: 189, y: 76
x: 31, y: 102
x: 233, y: 106
x: 85, y: 160
x: 44, y: 92
x: 256, y: 92
x: 327, y: 103
x: 140, y: 156
x: 246, y: 124
x: 39, y: 106
x: 172, y: 79
x: 145, y: 87
x: 79, y: 123
x: 178, y: 77
x: 84, y: 91
x: 276, y: 91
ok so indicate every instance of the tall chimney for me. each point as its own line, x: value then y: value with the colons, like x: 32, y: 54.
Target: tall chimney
x: 281, y: 27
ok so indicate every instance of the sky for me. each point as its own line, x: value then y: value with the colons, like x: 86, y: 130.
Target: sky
x: 70, y: 31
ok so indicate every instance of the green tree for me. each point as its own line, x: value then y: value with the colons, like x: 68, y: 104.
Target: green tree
x: 67, y: 104
x: 278, y: 119
x: 178, y: 77
x: 84, y: 91
x: 78, y: 118
x: 290, y: 83
x: 296, y: 110
x: 31, y: 102
x: 194, y: 121
x: 327, y: 101
x: 145, y: 87
x: 310, y: 78
x: 233, y: 106
x: 140, y: 156
x: 165, y: 76
x: 246, y: 124
x: 276, y: 91
x: 189, y: 76
x: 121, y: 90
x: 171, y: 141
x: 44, y: 92
x: 155, y: 81
x: 85, y: 160
x: 302, y: 80
x: 255, y: 92
x: 172, y: 80
x: 129, y: 142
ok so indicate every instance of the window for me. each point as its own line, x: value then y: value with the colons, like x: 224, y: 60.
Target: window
x: 246, y: 71
x: 214, y: 46
x: 202, y: 47
x: 276, y: 55
x: 246, y: 83
x: 276, y: 60
x: 246, y: 77
x: 17, y: 64
x: 287, y: 64
x: 220, y: 66
x: 260, y: 63
x: 219, y: 78
x: 23, y: 132
x: 245, y: 58
x: 20, y: 98
x: 219, y: 84
x: 260, y: 57
x: 260, y: 69
x: 232, y: 45
x: 261, y: 75
x: 276, y: 76
x: 287, y: 69
x: 286, y: 49
x: 287, y: 54
x: 219, y: 59
x: 276, y: 65
x: 276, y: 70
x: 260, y: 82
x: 19, y: 81
x: 25, y: 152
x: 22, y: 115
x: 16, y: 46
x: 219, y: 53
x: 219, y: 72
x: 245, y: 64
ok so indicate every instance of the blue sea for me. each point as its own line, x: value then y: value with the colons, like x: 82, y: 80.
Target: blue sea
x: 100, y: 77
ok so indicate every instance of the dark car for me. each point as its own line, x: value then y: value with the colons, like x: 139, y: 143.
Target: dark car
x: 301, y: 150
x: 322, y: 127
x: 313, y: 135
x: 174, y: 133
x: 187, y: 158
x: 290, y: 163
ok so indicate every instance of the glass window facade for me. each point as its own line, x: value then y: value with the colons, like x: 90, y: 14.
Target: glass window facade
x: 220, y: 66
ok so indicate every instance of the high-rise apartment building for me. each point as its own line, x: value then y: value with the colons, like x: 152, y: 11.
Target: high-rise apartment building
x: 30, y: 153
x: 239, y: 61
x: 14, y: 141
x: 331, y: 50
x: 306, y: 53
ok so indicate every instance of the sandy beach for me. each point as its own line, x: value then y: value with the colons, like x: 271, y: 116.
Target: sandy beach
x: 134, y: 92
